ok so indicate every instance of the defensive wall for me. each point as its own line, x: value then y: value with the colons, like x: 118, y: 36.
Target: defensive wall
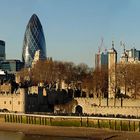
x: 99, y: 106
x: 103, y: 102
x: 13, y: 101
x: 22, y: 100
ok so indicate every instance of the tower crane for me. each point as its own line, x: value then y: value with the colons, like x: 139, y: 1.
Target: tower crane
x: 99, y: 52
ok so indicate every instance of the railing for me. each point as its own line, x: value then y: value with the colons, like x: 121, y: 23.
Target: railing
x: 120, y: 124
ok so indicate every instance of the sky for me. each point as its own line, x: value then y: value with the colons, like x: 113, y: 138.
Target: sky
x: 73, y: 28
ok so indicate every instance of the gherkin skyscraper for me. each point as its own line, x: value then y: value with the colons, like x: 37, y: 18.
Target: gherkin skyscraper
x: 34, y: 40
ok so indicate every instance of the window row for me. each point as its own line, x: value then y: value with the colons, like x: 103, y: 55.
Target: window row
x: 10, y: 102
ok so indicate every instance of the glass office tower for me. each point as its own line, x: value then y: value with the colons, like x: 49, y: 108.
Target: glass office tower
x: 11, y: 66
x: 34, y: 40
x: 2, y: 50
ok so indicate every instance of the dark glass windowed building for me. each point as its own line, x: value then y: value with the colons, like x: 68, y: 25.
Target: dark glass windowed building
x: 11, y: 66
x: 34, y: 40
x: 2, y: 50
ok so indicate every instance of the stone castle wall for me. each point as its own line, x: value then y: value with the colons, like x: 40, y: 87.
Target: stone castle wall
x: 96, y: 101
x: 13, y: 101
x: 91, y: 106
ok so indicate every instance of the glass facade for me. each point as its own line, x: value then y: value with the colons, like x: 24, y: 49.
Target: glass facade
x: 2, y: 50
x: 34, y: 40
x: 101, y: 59
x: 11, y: 66
x: 133, y: 53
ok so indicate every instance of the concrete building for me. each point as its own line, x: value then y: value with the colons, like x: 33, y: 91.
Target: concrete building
x: 130, y: 56
x: 133, y: 54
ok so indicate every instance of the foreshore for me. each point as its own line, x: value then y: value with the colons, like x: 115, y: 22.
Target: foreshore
x: 81, y: 132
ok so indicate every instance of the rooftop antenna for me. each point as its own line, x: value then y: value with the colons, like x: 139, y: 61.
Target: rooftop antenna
x: 113, y: 38
x: 124, y: 47
x: 101, y: 44
x: 134, y: 45
x: 99, y: 52
x: 122, y: 44
x: 112, y: 44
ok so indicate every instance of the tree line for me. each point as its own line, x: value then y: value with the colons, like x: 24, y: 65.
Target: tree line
x: 93, y: 81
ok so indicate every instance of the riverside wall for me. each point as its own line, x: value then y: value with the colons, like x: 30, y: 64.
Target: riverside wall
x: 99, y: 106
x: 103, y: 102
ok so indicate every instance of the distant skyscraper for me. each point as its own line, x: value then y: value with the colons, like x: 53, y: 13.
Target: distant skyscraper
x: 133, y: 54
x: 11, y: 66
x: 34, y: 40
x: 2, y: 50
x: 101, y: 59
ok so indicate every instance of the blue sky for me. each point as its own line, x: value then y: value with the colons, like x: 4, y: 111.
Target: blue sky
x: 73, y: 28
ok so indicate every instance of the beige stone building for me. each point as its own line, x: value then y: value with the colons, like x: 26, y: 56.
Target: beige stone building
x: 112, y: 61
x: 131, y: 56
x: 12, y: 101
x: 23, y: 99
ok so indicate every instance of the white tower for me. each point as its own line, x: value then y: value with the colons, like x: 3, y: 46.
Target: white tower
x: 112, y: 60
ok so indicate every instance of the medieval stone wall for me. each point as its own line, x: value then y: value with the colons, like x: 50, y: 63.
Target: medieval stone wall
x: 13, y: 101
x: 91, y: 106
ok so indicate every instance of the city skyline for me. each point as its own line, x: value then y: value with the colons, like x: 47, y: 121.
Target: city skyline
x: 72, y: 29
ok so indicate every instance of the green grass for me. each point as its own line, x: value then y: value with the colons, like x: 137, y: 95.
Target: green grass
x: 84, y: 122
x: 65, y: 122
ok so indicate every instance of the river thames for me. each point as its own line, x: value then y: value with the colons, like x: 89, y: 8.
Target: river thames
x: 4, y: 135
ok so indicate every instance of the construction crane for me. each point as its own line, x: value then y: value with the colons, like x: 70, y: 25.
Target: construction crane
x: 101, y: 45
x: 122, y: 44
x: 98, y: 57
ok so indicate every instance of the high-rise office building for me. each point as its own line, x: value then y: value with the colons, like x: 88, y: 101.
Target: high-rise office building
x: 2, y: 50
x: 34, y: 40
x: 133, y: 54
x: 11, y: 66
x: 101, y: 59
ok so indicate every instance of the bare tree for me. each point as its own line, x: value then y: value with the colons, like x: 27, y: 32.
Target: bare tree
x: 100, y: 80
x: 134, y: 79
x: 127, y: 75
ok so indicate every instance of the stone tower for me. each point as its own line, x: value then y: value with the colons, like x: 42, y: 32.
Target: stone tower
x: 112, y: 61
x: 124, y: 56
